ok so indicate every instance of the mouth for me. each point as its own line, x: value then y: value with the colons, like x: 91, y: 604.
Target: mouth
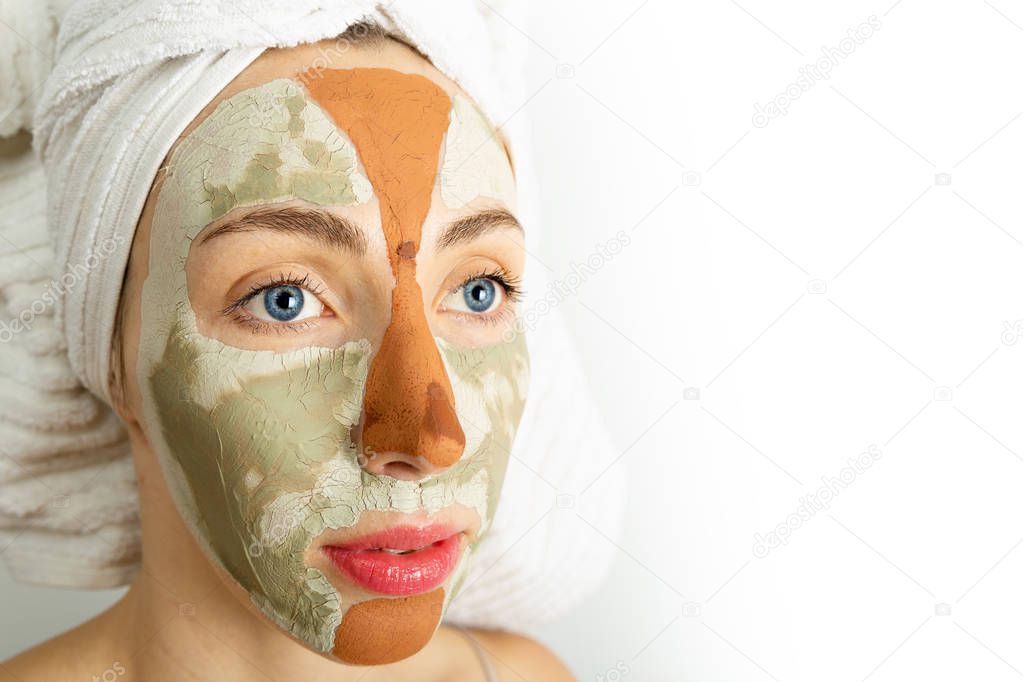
x: 401, y: 560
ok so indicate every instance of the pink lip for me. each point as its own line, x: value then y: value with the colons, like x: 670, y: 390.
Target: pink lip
x: 432, y: 552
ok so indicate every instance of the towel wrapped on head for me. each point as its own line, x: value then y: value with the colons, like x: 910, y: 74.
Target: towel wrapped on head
x: 127, y: 77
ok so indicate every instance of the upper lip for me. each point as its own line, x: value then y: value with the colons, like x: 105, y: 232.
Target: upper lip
x: 400, y: 537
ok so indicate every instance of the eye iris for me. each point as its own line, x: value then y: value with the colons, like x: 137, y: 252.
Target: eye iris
x: 283, y: 303
x: 479, y: 294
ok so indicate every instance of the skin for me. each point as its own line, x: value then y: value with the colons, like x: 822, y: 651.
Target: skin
x: 183, y: 602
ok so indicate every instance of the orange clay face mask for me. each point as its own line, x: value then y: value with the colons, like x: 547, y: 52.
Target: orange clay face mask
x: 259, y: 447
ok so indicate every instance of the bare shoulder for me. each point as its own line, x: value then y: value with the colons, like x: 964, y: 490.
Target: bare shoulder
x: 46, y: 661
x: 516, y: 658
x: 79, y: 653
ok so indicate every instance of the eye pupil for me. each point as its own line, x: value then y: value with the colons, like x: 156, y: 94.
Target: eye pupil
x: 479, y: 294
x: 283, y: 303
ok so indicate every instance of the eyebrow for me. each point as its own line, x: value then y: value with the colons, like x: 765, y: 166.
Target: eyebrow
x: 474, y: 226
x: 323, y: 226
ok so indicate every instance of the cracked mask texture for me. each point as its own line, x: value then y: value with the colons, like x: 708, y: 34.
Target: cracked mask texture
x: 256, y: 445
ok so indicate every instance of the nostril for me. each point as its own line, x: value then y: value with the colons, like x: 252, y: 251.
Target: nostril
x: 403, y: 471
x: 396, y: 465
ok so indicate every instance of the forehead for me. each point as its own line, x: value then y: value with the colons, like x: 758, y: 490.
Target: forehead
x: 287, y: 114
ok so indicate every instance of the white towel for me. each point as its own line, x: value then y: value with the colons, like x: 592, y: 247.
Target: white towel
x: 128, y: 75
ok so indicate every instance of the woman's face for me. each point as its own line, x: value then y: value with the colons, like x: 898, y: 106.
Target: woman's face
x: 329, y: 368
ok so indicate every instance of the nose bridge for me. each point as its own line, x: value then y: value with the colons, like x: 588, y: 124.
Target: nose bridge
x: 397, y: 122
x: 409, y: 404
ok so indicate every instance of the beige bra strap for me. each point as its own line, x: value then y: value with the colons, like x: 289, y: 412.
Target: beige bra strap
x: 481, y: 654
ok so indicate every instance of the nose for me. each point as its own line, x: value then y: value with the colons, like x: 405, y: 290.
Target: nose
x: 409, y: 425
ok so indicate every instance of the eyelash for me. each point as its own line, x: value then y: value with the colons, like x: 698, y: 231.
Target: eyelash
x: 512, y: 289
x: 235, y: 310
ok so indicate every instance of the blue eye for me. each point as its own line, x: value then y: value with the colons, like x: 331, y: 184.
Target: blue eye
x: 479, y: 295
x: 283, y: 303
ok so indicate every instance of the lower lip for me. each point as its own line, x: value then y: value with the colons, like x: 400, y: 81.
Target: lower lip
x: 398, y: 574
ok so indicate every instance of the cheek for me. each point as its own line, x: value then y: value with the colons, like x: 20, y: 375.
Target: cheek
x: 246, y: 439
x: 489, y: 386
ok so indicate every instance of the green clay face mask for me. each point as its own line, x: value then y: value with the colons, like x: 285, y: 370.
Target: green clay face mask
x: 261, y: 450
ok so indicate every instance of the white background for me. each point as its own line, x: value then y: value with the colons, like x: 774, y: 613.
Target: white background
x: 846, y: 276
